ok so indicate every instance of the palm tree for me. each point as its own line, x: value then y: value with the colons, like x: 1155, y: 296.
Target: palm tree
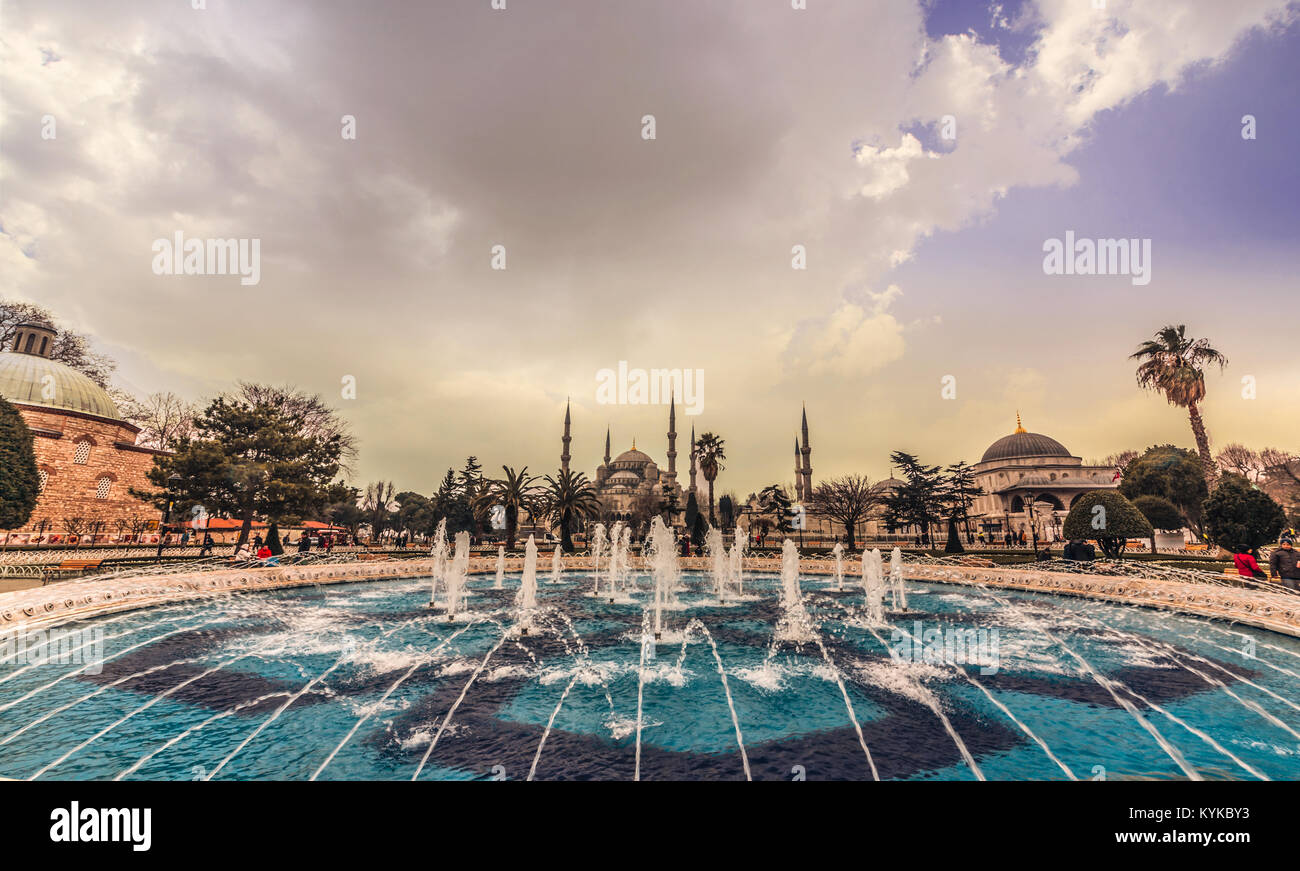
x: 710, y: 451
x: 515, y: 491
x: 1174, y: 365
x: 569, y: 497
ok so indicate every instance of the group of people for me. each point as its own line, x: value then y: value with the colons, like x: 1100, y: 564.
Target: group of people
x: 259, y: 551
x: 1010, y: 538
x: 1283, y: 565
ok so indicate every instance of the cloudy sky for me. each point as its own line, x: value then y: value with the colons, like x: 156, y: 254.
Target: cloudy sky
x: 774, y: 127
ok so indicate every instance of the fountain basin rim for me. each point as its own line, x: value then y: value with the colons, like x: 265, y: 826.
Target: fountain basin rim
x: 90, y: 597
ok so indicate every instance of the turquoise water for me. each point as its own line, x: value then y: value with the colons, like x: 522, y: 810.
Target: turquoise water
x: 359, y: 681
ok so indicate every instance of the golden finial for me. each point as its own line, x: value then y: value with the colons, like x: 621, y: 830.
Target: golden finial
x: 1020, y: 427
x: 634, y: 443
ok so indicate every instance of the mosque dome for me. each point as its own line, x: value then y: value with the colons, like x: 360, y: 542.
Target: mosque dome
x: 29, y: 377
x: 632, y: 457
x: 1022, y: 444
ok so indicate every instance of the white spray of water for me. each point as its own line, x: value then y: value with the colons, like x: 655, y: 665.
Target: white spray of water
x: 439, y: 554
x: 557, y: 565
x: 598, y: 544
x: 873, y: 584
x: 456, y: 575
x: 526, y: 598
x: 718, y: 568
x: 790, y: 594
x: 661, y: 550
x: 838, y: 552
x: 738, y: 561
x: 501, y: 564
x: 620, y: 541
x: 896, y: 580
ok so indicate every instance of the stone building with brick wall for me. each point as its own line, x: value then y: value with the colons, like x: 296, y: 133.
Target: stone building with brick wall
x: 86, y: 453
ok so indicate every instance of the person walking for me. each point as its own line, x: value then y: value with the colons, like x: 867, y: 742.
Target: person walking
x: 1284, y: 565
x: 1244, y: 562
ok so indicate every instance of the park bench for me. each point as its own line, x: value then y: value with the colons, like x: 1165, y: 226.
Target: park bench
x: 69, y: 568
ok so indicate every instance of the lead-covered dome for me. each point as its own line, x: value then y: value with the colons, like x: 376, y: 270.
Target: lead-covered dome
x: 632, y: 457
x: 1023, y: 444
x: 31, y: 379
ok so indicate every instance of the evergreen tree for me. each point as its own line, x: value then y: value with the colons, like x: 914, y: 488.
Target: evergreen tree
x: 921, y: 499
x: 961, y: 492
x: 1161, y: 513
x: 471, y: 479
x: 251, y: 458
x: 699, y: 532
x: 20, y: 481
x: 415, y: 513
x: 954, y: 540
x: 1107, y: 517
x: 727, y: 511
x: 1240, y: 517
x: 1172, y: 473
x: 775, y: 502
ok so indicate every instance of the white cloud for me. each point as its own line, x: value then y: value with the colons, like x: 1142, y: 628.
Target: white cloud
x: 854, y: 340
x: 887, y: 167
x: 477, y: 129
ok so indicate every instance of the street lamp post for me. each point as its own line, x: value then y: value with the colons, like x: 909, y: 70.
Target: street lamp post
x: 1033, y: 526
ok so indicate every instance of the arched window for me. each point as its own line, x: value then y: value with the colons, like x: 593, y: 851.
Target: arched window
x: 45, y: 340
x: 102, y: 486
x: 31, y: 340
x: 82, y: 455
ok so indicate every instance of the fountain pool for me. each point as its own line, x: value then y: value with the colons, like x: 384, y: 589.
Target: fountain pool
x: 365, y: 681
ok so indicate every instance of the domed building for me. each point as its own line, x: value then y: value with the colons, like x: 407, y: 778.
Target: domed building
x: 632, y: 475
x: 1030, y: 481
x: 86, y: 454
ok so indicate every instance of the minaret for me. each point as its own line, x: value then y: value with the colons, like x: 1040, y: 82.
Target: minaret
x: 692, y: 458
x: 606, y: 445
x: 671, y: 475
x: 807, y: 459
x: 564, y: 455
x: 798, y: 477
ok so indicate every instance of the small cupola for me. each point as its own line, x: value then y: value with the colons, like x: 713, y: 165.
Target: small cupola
x: 35, y: 339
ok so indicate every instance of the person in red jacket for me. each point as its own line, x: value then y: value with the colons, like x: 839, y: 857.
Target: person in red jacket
x: 1246, y: 565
